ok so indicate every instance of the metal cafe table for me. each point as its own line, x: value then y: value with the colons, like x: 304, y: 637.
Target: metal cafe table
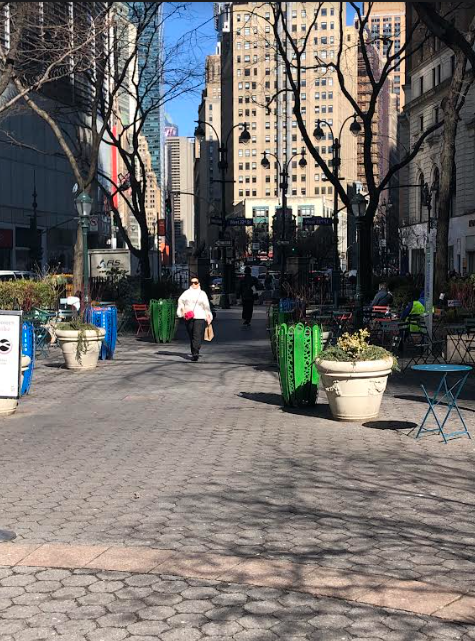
x: 442, y: 393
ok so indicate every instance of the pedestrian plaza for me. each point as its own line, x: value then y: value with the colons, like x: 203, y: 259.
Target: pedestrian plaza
x: 157, y: 498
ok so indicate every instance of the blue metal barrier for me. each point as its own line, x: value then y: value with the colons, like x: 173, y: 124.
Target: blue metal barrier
x: 105, y: 317
x: 28, y: 349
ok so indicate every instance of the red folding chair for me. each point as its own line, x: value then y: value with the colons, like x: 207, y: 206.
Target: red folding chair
x: 143, y: 321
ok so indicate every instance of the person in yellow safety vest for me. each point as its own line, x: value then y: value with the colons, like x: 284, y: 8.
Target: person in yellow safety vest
x: 415, y: 308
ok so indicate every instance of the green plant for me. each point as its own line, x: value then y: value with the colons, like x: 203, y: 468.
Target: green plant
x: 25, y: 294
x: 78, y: 325
x: 355, y: 348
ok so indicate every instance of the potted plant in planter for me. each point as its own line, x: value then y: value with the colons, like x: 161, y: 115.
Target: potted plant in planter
x: 80, y: 343
x: 354, y: 375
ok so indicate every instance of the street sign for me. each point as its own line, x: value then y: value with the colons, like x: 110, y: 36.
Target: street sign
x: 283, y: 242
x: 224, y: 243
x: 316, y: 220
x: 215, y: 220
x: 239, y: 222
x: 10, y: 354
x: 256, y: 246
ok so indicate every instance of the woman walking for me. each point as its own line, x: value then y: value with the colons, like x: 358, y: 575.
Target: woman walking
x: 193, y: 306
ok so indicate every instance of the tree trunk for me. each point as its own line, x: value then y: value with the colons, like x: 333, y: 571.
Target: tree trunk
x: 145, y: 273
x: 366, y: 249
x: 451, y: 107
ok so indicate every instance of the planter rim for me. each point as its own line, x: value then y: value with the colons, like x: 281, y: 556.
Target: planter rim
x: 356, y: 367
x: 91, y: 334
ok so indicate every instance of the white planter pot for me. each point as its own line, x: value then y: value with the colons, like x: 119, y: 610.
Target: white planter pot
x: 355, y: 390
x: 68, y: 340
x: 8, y: 405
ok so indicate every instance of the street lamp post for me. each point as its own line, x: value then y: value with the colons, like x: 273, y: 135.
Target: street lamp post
x: 284, y: 186
x: 84, y: 205
x: 223, y: 165
x: 426, y: 199
x: 358, y: 206
x: 319, y: 134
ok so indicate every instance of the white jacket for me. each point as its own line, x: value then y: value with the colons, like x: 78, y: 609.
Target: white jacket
x: 194, y: 300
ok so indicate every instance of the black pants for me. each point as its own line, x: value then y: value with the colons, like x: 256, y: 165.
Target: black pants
x: 196, y: 330
x: 247, y: 309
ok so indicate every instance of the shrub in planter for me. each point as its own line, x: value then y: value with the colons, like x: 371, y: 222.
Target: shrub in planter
x: 354, y: 375
x: 80, y: 343
x: 26, y: 294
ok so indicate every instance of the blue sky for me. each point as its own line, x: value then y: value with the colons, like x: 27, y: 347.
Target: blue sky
x: 197, y: 16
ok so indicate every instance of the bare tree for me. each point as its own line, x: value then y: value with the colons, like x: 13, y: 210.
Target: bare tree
x: 41, y: 44
x: 434, y: 16
x: 291, y: 52
x: 157, y: 76
x: 127, y: 77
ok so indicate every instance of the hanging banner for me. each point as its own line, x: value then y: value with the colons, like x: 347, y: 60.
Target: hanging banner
x: 10, y: 354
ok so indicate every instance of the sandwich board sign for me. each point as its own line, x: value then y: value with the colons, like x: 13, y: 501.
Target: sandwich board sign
x: 10, y: 354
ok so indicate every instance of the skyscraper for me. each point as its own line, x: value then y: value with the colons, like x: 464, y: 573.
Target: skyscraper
x: 208, y: 192
x: 252, y: 75
x: 179, y: 172
x: 150, y: 68
x: 387, y: 22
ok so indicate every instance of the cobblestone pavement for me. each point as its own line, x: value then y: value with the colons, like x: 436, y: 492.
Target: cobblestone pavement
x: 109, y: 606
x: 153, y: 450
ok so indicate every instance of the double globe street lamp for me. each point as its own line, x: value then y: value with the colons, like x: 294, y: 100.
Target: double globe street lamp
x: 284, y: 186
x: 319, y: 134
x: 223, y: 165
x: 83, y: 204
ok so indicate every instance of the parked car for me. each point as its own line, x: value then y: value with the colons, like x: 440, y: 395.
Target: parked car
x: 8, y: 274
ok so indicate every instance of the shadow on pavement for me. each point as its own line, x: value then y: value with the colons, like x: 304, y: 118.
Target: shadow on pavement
x: 390, y: 425
x: 185, y: 357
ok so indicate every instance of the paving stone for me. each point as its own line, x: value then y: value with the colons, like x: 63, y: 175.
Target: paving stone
x: 145, y: 628
x: 108, y: 634
x: 156, y: 613
x: 187, y: 620
x: 181, y: 635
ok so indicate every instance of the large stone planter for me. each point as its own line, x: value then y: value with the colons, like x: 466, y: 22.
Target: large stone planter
x: 68, y: 340
x: 355, y: 390
x: 8, y: 405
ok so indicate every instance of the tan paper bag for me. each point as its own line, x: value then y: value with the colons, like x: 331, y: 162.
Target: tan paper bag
x: 209, y: 333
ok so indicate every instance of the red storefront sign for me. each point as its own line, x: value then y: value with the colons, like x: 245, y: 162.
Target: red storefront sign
x: 6, y: 238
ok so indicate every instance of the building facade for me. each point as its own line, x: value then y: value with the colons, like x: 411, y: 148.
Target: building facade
x: 387, y: 24
x: 36, y: 180
x: 253, y: 76
x: 179, y: 163
x: 428, y: 78
x: 207, y: 190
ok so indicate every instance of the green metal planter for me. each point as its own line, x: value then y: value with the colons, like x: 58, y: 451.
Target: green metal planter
x: 163, y: 320
x: 274, y: 320
x: 298, y: 346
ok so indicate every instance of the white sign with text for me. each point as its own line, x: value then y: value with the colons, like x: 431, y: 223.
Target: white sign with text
x: 10, y: 354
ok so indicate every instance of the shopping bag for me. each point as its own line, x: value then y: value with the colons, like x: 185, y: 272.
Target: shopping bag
x: 209, y: 333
